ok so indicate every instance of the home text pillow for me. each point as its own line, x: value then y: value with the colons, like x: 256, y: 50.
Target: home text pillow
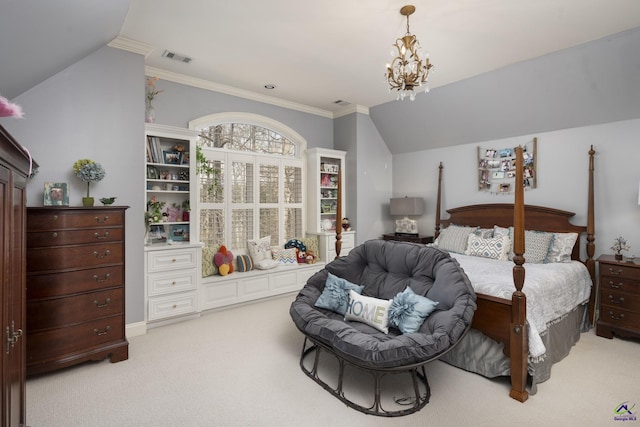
x: 208, y: 267
x: 372, y: 311
x: 408, y: 311
x: 454, y: 238
x: 285, y: 256
x: 335, y: 295
x: 561, y: 247
x: 260, y: 249
x: 244, y: 263
x: 495, y: 247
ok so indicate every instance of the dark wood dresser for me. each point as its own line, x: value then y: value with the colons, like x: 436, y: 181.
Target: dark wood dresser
x: 619, y: 298
x: 75, y: 286
x: 413, y: 239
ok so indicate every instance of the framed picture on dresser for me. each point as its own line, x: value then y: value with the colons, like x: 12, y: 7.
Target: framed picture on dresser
x: 56, y: 194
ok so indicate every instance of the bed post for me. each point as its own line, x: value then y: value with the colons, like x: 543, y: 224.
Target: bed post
x: 339, y: 216
x: 591, y: 247
x: 439, y: 200
x: 519, y: 334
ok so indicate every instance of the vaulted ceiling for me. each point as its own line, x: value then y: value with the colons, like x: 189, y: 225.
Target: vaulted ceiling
x: 314, y: 52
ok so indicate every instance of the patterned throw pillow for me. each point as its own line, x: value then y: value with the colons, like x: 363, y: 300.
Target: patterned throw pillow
x: 244, y: 263
x: 408, y: 311
x: 260, y: 249
x: 372, y: 311
x: 208, y: 267
x: 536, y: 246
x: 454, y: 238
x: 285, y: 256
x: 495, y: 247
x: 561, y: 247
x: 311, y: 243
x: 335, y: 295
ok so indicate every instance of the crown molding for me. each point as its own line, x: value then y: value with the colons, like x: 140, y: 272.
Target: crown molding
x: 130, y: 45
x: 230, y: 90
x: 350, y: 110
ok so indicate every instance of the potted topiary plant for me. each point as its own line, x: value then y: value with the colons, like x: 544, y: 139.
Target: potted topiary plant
x: 88, y: 171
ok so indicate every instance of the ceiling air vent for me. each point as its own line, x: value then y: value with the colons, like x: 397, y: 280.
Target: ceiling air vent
x: 176, y: 57
x: 342, y: 103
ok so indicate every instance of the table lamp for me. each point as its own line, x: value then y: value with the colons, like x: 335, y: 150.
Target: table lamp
x: 406, y: 207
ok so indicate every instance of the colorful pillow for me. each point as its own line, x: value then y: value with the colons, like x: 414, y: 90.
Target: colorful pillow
x: 208, y: 267
x: 372, y: 311
x: 244, y: 263
x: 495, y: 247
x: 454, y: 238
x: 335, y: 295
x: 260, y: 249
x: 297, y: 244
x: 285, y: 256
x: 408, y: 311
x: 561, y: 247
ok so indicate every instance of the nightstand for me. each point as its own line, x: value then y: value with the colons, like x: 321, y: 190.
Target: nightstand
x: 414, y: 239
x: 619, y: 304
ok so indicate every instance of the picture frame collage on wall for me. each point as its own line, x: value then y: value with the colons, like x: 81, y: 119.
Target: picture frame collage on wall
x: 496, y: 168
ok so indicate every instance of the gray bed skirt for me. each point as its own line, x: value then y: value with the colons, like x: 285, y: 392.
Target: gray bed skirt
x: 482, y: 355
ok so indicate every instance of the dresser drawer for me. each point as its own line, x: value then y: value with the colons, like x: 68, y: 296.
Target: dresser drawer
x: 619, y: 318
x: 80, y: 256
x: 171, y: 259
x: 171, y: 282
x: 58, y: 312
x: 619, y: 283
x: 618, y: 271
x: 50, y: 345
x: 172, y: 305
x: 47, y: 221
x: 72, y: 282
x: 613, y: 298
x: 73, y: 237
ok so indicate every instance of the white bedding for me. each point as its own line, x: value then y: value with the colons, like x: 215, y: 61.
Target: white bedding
x: 552, y: 290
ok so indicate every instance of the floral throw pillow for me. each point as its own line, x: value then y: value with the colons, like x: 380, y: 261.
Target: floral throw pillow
x: 260, y: 249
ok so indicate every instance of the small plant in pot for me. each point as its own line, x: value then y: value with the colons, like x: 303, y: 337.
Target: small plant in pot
x: 620, y: 244
x: 88, y: 171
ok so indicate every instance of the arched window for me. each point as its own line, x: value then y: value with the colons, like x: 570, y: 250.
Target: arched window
x: 251, y: 176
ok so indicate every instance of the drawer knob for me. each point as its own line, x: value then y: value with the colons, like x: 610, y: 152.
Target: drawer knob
x: 103, y: 220
x: 618, y: 301
x: 615, y: 272
x: 104, y: 254
x: 175, y: 306
x: 173, y: 260
x: 614, y: 317
x: 55, y: 217
x: 173, y: 283
x: 54, y: 235
x: 99, y: 237
x: 99, y: 280
x: 615, y: 285
x: 104, y: 332
x: 103, y: 305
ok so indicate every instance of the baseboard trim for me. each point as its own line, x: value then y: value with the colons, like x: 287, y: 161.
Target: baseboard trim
x: 135, y: 329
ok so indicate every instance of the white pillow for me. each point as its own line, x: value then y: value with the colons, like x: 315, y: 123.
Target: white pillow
x: 454, y: 238
x: 266, y: 264
x: 495, y: 247
x: 372, y: 311
x: 260, y: 249
x: 561, y: 247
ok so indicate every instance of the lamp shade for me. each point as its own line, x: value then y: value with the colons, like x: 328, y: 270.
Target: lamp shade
x: 406, y: 206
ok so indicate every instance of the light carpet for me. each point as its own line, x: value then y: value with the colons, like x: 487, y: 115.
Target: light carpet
x: 240, y: 367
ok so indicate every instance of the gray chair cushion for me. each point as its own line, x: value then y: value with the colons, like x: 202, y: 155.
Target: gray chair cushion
x: 386, y: 268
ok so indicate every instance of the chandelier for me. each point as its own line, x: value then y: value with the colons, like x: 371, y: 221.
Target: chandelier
x: 409, y: 70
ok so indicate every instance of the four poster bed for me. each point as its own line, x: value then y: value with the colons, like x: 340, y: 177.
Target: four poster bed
x: 511, y: 335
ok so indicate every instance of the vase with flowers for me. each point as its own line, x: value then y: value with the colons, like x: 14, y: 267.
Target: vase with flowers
x: 151, y: 92
x: 620, y: 244
x: 88, y: 171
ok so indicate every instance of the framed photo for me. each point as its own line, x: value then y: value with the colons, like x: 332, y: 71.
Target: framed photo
x: 152, y: 172
x: 157, y: 234
x: 185, y: 157
x: 180, y: 233
x: 171, y: 157
x: 56, y: 194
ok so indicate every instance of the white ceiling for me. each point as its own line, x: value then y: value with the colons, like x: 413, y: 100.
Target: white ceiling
x: 315, y: 52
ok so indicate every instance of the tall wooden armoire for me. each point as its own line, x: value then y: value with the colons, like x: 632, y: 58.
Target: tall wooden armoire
x: 14, y: 170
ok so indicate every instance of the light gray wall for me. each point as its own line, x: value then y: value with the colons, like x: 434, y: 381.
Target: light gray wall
x: 93, y: 109
x: 562, y: 177
x: 179, y: 104
x: 598, y: 82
